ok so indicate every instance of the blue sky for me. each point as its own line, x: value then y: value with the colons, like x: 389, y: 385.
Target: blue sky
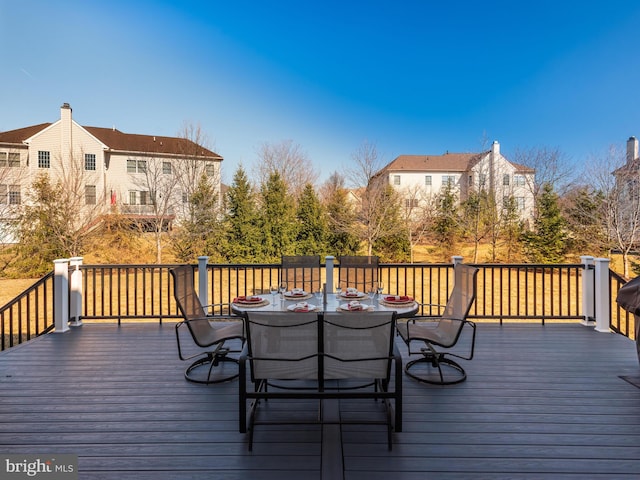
x: 413, y: 77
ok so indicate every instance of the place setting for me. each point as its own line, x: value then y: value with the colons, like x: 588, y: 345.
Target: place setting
x: 355, y: 306
x: 396, y: 300
x: 297, y: 294
x: 255, y: 301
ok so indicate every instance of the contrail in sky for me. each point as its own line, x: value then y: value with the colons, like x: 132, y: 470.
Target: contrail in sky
x: 26, y: 73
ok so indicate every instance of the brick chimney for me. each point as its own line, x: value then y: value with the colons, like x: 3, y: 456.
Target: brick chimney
x: 632, y: 149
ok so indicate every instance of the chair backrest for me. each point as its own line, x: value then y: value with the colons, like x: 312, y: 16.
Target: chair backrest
x: 358, y: 344
x: 458, y: 305
x: 301, y: 271
x: 189, y: 304
x: 282, y: 345
x: 359, y: 272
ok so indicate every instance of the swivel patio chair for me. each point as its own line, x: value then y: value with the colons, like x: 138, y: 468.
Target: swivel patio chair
x: 359, y: 272
x: 206, y: 331
x: 301, y: 271
x: 441, y: 334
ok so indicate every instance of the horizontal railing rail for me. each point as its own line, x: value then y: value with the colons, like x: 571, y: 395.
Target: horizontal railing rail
x: 540, y: 292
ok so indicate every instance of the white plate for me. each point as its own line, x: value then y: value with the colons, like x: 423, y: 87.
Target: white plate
x: 253, y: 302
x: 345, y: 307
x: 292, y: 308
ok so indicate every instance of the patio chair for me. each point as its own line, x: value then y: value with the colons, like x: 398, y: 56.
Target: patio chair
x: 319, y: 357
x: 301, y: 271
x: 206, y: 331
x: 441, y: 334
x: 359, y: 272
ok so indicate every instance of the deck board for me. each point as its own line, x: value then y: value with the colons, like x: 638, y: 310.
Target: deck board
x: 539, y: 402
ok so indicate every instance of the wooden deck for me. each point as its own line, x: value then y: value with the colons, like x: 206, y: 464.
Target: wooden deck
x: 540, y: 402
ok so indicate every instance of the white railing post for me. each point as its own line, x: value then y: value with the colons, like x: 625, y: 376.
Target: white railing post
x: 61, y: 295
x: 603, y: 300
x: 455, y: 259
x: 588, y: 277
x: 329, y: 260
x: 203, y: 280
x: 75, y: 303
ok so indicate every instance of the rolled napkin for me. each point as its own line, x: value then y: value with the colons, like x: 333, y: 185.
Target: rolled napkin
x: 351, y: 292
x: 249, y: 299
x: 398, y: 298
x: 298, y: 292
x: 355, y: 306
x: 301, y: 307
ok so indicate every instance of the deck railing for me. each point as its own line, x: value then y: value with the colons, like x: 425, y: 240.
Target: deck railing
x: 29, y: 314
x: 525, y: 292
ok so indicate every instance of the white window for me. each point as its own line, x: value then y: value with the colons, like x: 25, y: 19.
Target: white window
x: 448, y: 180
x: 14, y: 195
x: 520, y: 203
x: 411, y: 202
x: 10, y: 194
x: 89, y: 161
x: 136, y: 166
x: 428, y: 180
x: 9, y: 159
x: 44, y: 159
x: 90, y: 194
x: 133, y: 197
x: 166, y: 168
x: 519, y: 180
x: 482, y: 179
x: 210, y: 169
x: 396, y: 179
x: 505, y: 179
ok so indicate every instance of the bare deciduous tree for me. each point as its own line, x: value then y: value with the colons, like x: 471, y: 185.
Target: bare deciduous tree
x: 619, y: 183
x: 379, y: 200
x: 289, y: 160
x: 550, y: 164
x: 195, y: 165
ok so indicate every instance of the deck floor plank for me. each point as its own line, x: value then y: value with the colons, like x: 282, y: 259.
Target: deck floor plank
x: 539, y: 402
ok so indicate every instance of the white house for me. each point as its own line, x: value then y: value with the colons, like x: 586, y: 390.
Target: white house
x: 116, y: 171
x: 420, y: 177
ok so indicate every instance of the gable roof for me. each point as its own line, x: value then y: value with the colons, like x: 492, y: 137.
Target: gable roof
x: 124, y: 142
x: 449, y: 162
x: 21, y: 134
x: 131, y: 142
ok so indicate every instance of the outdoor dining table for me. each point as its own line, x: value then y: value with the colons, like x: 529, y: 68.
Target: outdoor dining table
x: 334, y: 302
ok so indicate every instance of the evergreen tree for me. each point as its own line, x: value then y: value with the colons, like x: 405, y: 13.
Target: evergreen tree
x: 48, y: 227
x: 342, y: 239
x: 447, y: 222
x: 512, y: 228
x: 200, y: 233
x: 277, y: 220
x: 243, y: 237
x: 584, y: 210
x: 393, y: 245
x: 547, y: 242
x: 313, y: 230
